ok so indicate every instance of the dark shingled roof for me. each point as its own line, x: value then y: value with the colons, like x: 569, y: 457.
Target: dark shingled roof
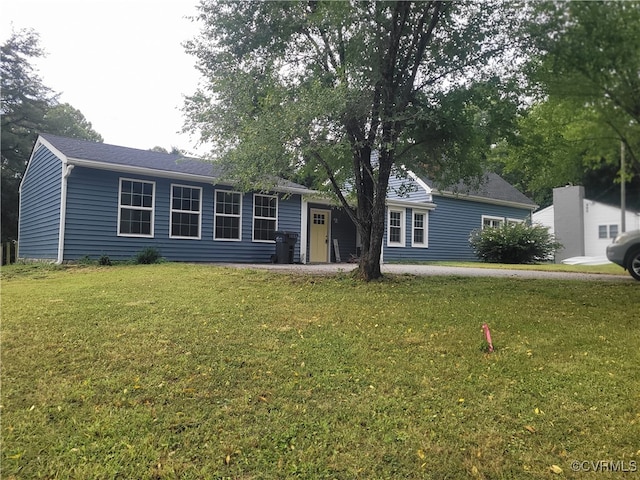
x: 148, y: 159
x: 130, y: 157
x: 492, y: 186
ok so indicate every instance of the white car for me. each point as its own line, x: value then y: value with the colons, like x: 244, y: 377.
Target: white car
x: 625, y: 251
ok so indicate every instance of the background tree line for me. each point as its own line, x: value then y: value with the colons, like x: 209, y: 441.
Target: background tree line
x: 584, y: 102
x: 28, y: 108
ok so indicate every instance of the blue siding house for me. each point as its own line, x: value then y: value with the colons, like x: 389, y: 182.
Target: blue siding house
x: 85, y: 199
x: 427, y: 223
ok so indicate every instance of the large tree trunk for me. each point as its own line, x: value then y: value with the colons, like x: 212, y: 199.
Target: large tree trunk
x: 372, y: 215
x: 369, y: 267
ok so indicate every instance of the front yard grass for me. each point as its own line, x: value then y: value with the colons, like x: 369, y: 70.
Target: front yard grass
x: 186, y: 371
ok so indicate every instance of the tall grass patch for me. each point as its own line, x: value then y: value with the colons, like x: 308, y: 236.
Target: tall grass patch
x: 183, y: 371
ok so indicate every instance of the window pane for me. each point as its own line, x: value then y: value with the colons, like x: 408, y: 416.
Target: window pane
x: 395, y: 227
x: 613, y: 231
x: 228, y: 203
x: 264, y: 229
x: 419, y: 225
x: 184, y: 224
x: 185, y: 198
x: 137, y: 222
x: 602, y: 231
x: 394, y: 235
x: 265, y: 206
x: 227, y: 216
x: 228, y: 228
x: 491, y: 223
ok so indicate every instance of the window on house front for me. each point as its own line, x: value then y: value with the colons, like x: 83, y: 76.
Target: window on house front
x: 419, y: 229
x: 607, y: 231
x: 228, y: 214
x: 602, y: 231
x: 265, y: 214
x: 135, y: 208
x: 186, y: 210
x: 491, y: 222
x: 395, y: 228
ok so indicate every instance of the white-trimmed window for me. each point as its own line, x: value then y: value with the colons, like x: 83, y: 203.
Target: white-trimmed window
x: 136, y: 200
x: 492, y: 222
x: 602, y: 231
x: 265, y: 217
x: 395, y: 228
x: 515, y: 221
x: 610, y: 232
x: 228, y: 215
x: 186, y: 211
x: 420, y: 231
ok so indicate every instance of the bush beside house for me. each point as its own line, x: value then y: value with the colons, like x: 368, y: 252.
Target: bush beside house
x: 514, y: 243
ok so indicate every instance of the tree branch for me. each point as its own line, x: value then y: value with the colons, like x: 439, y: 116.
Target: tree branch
x: 336, y: 187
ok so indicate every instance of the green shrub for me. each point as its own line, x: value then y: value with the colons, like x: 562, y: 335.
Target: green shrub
x: 104, y: 260
x: 86, y: 260
x: 148, y: 255
x: 514, y: 243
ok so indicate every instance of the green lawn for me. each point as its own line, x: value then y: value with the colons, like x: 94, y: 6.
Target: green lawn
x: 184, y: 371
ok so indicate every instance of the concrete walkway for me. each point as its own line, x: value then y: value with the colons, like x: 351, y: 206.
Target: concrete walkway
x: 434, y: 270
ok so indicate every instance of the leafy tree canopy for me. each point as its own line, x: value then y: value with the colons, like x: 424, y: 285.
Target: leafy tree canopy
x: 28, y: 107
x: 587, y: 102
x: 311, y: 89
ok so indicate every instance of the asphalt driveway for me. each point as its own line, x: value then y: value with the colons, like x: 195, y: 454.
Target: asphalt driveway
x: 434, y: 270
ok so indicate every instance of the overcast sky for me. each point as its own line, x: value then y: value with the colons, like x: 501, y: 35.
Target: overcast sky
x: 120, y: 62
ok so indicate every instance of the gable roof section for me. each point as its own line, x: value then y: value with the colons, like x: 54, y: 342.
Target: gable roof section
x: 146, y: 162
x: 491, y: 189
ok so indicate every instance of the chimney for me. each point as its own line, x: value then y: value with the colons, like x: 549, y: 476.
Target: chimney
x: 568, y: 221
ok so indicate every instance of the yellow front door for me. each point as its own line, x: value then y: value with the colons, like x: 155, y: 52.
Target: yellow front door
x: 319, y: 236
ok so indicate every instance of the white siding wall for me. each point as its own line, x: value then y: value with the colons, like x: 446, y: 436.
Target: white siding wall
x: 544, y: 217
x: 597, y: 214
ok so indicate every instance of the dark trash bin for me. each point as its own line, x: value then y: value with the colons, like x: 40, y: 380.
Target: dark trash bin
x: 285, y: 243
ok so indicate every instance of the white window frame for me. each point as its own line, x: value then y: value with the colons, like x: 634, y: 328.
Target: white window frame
x: 603, y: 232
x: 217, y: 214
x: 403, y: 226
x: 257, y: 217
x: 174, y: 210
x: 492, y: 219
x: 425, y: 229
x: 151, y: 209
x: 515, y: 221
